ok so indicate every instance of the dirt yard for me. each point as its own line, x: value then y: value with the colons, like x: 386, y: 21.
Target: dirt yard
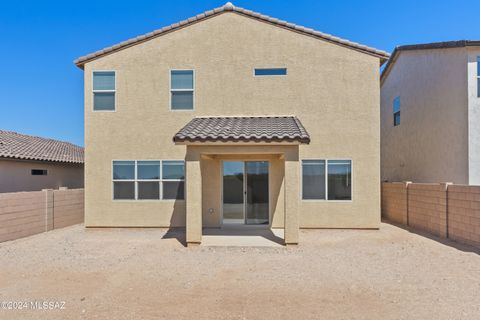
x: 147, y: 274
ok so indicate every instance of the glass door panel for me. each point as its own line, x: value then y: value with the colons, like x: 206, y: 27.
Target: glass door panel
x: 233, y: 186
x: 257, y: 196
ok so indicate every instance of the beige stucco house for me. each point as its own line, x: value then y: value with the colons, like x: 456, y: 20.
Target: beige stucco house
x: 430, y: 113
x: 29, y: 163
x: 233, y: 118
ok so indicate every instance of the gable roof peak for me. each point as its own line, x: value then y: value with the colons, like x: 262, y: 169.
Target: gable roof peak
x: 228, y: 6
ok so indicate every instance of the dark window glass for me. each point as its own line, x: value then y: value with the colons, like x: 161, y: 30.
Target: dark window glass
x: 174, y: 190
x: 339, y: 180
x: 271, y: 72
x: 182, y: 100
x: 103, y: 101
x: 313, y: 180
x: 396, y: 118
x: 39, y: 172
x: 148, y: 190
x: 124, y: 190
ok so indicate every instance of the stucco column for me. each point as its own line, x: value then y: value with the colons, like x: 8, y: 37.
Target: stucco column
x: 193, y: 199
x: 292, y: 201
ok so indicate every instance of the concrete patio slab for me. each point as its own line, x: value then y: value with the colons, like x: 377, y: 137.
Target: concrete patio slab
x: 242, y: 237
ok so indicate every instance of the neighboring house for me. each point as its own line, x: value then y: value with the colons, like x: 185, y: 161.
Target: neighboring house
x: 273, y: 124
x: 430, y: 111
x: 29, y: 163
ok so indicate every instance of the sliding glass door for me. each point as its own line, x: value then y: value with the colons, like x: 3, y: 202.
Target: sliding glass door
x: 245, y: 192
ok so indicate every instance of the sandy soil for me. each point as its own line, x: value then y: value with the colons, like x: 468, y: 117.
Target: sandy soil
x: 333, y: 274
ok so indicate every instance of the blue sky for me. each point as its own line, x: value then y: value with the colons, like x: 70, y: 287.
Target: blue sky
x: 41, y: 91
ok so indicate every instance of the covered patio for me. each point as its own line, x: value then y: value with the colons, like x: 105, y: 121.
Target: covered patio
x: 268, y: 148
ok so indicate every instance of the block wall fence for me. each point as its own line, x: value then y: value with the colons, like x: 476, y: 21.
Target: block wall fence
x: 445, y: 210
x: 26, y: 213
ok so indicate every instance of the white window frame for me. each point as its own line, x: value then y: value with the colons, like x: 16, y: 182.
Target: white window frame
x: 270, y: 75
x: 180, y: 90
x: 326, y: 180
x: 136, y: 180
x: 105, y: 91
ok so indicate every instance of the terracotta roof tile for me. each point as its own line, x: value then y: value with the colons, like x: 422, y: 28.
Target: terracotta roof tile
x: 244, y: 129
x: 20, y: 146
x: 229, y: 7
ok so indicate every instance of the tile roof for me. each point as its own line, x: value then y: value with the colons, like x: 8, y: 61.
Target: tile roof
x: 243, y: 129
x: 21, y: 146
x: 426, y: 46
x: 229, y: 7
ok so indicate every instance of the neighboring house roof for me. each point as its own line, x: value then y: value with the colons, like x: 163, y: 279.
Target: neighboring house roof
x: 426, y: 46
x: 21, y: 146
x: 229, y: 7
x: 243, y: 129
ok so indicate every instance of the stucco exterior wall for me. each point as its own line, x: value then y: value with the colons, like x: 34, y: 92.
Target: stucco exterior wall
x: 473, y: 118
x: 332, y: 89
x: 431, y: 142
x: 16, y: 175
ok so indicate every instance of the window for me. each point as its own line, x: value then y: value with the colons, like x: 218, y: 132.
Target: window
x: 271, y: 72
x: 181, y: 88
x: 39, y: 172
x: 339, y: 180
x: 313, y: 179
x: 173, y: 179
x: 478, y: 76
x: 327, y: 180
x: 396, y: 111
x: 104, y: 90
x: 148, y: 180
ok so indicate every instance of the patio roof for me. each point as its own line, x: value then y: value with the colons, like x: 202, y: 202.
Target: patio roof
x: 243, y: 129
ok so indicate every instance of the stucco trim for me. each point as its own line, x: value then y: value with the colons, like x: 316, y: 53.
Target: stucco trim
x: 228, y: 7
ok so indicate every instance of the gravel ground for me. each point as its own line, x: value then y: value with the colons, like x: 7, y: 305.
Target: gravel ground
x: 333, y: 274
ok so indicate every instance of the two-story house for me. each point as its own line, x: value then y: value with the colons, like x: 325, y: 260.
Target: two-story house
x: 430, y: 113
x: 233, y: 118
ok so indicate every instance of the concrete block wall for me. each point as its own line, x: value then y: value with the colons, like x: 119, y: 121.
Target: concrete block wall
x: 445, y: 210
x: 426, y: 207
x: 394, y: 202
x: 464, y: 214
x: 26, y: 213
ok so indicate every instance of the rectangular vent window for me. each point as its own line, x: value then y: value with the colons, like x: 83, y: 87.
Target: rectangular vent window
x: 271, y: 72
x: 39, y: 172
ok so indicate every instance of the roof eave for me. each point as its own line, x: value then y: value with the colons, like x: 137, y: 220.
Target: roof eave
x: 382, y: 55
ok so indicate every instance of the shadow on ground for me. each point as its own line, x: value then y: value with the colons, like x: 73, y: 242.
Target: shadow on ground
x: 444, y: 241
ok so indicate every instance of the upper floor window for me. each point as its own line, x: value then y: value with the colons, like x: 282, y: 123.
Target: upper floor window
x: 478, y: 76
x: 271, y: 72
x: 182, y: 86
x: 327, y: 180
x: 104, y: 90
x: 396, y: 111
